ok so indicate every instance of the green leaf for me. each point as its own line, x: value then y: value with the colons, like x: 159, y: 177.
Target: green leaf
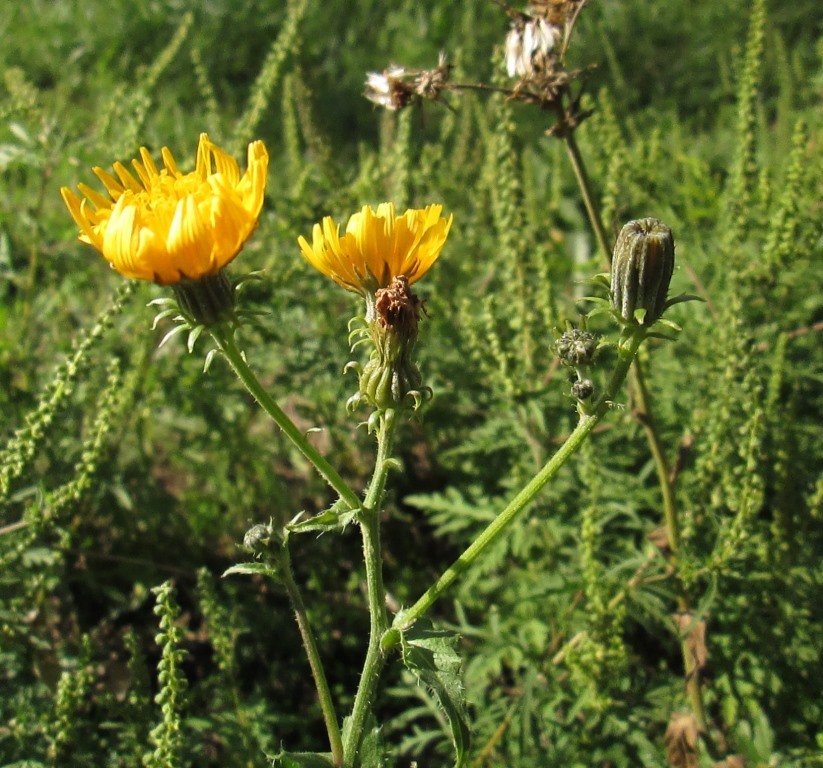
x: 679, y: 299
x: 431, y: 656
x: 335, y: 518
x: 303, y: 760
x: 371, y: 753
x: 264, y: 569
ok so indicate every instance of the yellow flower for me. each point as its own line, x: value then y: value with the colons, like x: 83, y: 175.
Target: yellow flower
x: 167, y: 226
x: 378, y: 246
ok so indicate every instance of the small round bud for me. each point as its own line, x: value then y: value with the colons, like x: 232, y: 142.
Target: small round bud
x: 257, y: 538
x: 642, y: 269
x: 576, y: 347
x: 583, y: 389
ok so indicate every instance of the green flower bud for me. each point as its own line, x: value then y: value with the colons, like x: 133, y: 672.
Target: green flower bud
x: 576, y: 347
x: 258, y: 538
x: 583, y: 389
x: 642, y: 269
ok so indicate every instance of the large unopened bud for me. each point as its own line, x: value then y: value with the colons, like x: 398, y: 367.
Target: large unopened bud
x: 642, y: 269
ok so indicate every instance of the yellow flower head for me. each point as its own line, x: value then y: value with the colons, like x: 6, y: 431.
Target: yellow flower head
x: 378, y: 246
x: 167, y: 226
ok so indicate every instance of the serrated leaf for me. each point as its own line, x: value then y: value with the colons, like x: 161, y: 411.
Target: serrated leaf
x: 431, y: 656
x: 248, y: 569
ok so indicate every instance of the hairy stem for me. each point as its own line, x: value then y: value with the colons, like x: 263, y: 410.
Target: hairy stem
x: 315, y: 662
x: 588, y: 421
x: 376, y: 594
x: 225, y: 342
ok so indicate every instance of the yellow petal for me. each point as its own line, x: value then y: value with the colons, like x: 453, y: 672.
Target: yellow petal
x: 163, y: 225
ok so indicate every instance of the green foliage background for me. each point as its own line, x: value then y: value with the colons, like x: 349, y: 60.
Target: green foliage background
x: 127, y: 466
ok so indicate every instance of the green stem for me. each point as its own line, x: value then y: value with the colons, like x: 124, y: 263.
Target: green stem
x: 225, y: 342
x: 323, y: 692
x: 582, y: 177
x: 588, y: 421
x: 378, y: 617
x: 645, y: 417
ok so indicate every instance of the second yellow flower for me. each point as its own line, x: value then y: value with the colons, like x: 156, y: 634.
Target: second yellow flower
x: 378, y: 246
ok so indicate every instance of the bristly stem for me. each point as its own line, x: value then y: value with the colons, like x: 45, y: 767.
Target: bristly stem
x: 225, y: 342
x: 369, y: 517
x: 588, y: 420
x: 645, y: 417
x: 313, y: 654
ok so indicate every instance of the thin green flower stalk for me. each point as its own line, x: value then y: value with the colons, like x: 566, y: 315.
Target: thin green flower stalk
x: 270, y: 543
x: 589, y: 418
x: 369, y: 518
x: 646, y: 299
x: 313, y: 654
x: 224, y: 338
x: 380, y: 256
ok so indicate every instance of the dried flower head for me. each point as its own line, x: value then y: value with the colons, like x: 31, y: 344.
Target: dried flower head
x: 396, y: 87
x: 166, y: 226
x: 530, y: 46
x: 397, y: 307
x: 389, y: 88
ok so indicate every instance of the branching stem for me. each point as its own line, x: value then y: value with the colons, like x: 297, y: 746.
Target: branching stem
x: 588, y: 421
